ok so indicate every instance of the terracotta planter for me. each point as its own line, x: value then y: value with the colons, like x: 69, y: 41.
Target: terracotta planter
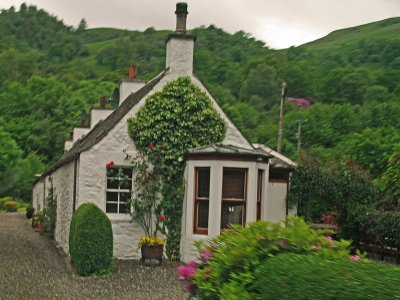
x: 152, y: 253
x: 39, y: 228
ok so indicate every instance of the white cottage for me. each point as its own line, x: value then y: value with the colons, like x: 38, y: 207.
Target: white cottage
x: 230, y: 182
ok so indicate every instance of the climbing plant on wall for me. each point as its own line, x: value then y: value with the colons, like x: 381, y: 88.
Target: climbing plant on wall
x: 173, y: 120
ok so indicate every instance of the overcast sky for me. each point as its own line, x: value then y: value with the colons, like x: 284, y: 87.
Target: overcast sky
x: 279, y: 23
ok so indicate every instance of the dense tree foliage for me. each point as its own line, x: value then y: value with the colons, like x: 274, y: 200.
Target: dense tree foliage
x: 51, y: 74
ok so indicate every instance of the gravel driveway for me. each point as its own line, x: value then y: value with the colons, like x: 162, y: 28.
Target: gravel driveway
x: 32, y: 268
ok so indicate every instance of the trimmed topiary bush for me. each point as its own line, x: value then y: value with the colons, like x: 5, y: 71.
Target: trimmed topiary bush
x: 10, y: 206
x: 91, y: 240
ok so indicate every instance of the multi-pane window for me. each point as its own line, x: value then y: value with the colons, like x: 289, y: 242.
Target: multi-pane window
x: 260, y: 179
x: 234, y: 186
x: 119, y: 187
x: 202, y: 197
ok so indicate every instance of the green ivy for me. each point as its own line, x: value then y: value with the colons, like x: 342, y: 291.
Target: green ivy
x: 173, y: 120
x: 50, y: 211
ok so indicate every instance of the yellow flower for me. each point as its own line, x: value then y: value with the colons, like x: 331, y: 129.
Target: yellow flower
x: 151, y: 241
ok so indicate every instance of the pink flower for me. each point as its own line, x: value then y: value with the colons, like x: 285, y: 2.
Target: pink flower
x: 187, y: 272
x: 206, y: 255
x: 193, y: 264
x: 355, y: 258
x: 181, y: 272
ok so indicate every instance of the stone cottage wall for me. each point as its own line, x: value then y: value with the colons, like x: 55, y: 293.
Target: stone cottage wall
x: 38, y: 195
x: 63, y: 182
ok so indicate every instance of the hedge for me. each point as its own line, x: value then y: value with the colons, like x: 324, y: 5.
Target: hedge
x: 10, y: 206
x: 381, y: 227
x: 294, y: 276
x: 91, y: 241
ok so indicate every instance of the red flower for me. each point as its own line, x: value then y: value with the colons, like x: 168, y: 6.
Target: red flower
x: 162, y: 218
x: 110, y: 164
x: 151, y: 146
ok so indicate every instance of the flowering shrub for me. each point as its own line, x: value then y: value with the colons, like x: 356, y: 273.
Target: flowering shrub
x: 146, y: 198
x: 226, y: 265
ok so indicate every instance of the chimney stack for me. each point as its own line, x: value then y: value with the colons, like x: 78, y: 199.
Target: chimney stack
x: 132, y: 72
x: 180, y: 45
x: 181, y: 14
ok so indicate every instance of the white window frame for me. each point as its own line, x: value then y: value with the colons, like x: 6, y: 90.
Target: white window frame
x: 118, y: 191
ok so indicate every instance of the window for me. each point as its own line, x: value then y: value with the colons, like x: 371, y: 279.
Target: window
x: 234, y: 185
x: 202, y: 197
x: 119, y: 187
x: 260, y: 180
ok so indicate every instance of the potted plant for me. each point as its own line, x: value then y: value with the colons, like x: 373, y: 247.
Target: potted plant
x: 38, y: 221
x: 146, y: 208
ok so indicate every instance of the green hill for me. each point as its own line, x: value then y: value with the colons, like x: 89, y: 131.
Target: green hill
x: 52, y: 74
x: 347, y: 37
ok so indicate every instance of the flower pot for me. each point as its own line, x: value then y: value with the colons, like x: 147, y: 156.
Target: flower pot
x: 152, y: 253
x: 39, y: 228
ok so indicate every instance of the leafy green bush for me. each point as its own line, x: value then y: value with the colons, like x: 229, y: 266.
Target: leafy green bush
x: 294, y: 276
x: 91, y: 240
x: 10, y: 206
x: 3, y: 201
x: 381, y: 227
x: 50, y: 211
x: 346, y: 190
x: 228, y: 262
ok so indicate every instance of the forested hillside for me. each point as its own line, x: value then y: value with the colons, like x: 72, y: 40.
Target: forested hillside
x: 52, y: 74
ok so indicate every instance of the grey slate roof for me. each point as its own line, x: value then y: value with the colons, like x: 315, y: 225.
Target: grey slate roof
x: 103, y: 127
x: 278, y: 160
x: 219, y: 148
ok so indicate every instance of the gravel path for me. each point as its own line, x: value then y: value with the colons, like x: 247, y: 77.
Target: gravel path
x: 31, y: 267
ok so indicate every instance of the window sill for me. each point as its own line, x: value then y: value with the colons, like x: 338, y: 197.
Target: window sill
x: 119, y: 217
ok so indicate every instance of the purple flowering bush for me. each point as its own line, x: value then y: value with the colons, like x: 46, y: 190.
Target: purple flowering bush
x: 225, y: 268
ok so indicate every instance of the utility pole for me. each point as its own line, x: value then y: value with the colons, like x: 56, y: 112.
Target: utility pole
x: 299, y: 138
x: 299, y: 122
x: 280, y: 131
